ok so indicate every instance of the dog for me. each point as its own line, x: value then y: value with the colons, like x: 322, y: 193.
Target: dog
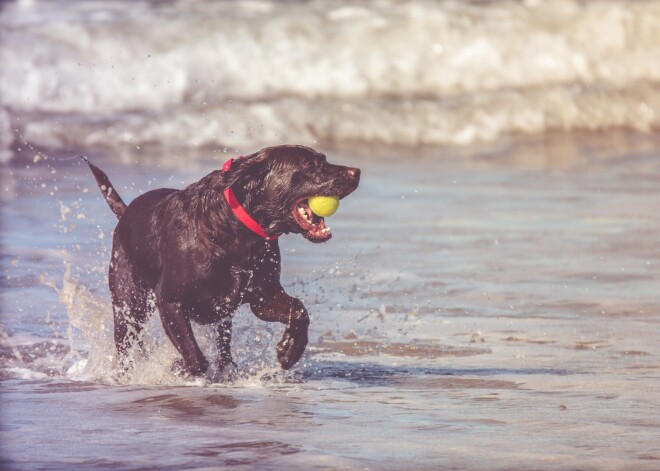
x: 207, y: 249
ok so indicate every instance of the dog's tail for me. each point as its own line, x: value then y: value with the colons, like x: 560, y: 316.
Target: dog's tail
x: 111, y: 196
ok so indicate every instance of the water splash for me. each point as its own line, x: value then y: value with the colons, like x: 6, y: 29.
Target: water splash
x: 88, y: 352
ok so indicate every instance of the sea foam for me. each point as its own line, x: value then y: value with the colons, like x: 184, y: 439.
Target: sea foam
x: 218, y: 74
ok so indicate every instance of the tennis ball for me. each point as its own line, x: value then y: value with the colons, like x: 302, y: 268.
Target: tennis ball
x: 323, y: 205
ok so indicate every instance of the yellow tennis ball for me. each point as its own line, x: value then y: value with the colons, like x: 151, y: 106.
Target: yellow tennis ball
x: 323, y: 205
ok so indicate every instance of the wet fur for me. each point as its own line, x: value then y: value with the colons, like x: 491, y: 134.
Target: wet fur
x: 201, y: 263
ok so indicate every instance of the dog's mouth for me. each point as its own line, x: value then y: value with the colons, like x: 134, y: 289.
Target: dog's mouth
x: 313, y: 226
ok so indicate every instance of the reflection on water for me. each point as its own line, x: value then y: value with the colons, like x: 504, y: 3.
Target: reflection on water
x: 360, y: 348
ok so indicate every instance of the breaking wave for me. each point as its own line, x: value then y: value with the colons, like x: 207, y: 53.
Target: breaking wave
x: 238, y: 74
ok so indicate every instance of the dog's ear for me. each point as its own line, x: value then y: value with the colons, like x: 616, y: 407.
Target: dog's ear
x: 246, y: 171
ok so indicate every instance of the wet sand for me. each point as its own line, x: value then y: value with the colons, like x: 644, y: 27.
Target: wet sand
x: 488, y: 308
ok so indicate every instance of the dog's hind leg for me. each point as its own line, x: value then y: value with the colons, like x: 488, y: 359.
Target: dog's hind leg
x: 130, y: 304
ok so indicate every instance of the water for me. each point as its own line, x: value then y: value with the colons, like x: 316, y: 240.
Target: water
x: 469, y: 312
x: 493, y: 304
x: 223, y: 74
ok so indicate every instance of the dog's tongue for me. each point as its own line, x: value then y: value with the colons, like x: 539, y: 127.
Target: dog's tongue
x: 313, y: 225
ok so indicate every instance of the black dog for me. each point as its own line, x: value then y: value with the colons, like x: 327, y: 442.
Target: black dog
x: 205, y: 250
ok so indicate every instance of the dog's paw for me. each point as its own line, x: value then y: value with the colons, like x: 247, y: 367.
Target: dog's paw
x: 224, y: 373
x: 182, y: 370
x: 290, y: 348
x: 179, y: 369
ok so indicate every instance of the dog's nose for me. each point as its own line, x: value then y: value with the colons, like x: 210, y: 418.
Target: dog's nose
x: 353, y: 173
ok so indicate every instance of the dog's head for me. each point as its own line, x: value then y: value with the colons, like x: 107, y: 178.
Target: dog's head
x: 274, y: 184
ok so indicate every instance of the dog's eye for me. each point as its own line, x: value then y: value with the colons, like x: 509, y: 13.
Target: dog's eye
x: 313, y: 163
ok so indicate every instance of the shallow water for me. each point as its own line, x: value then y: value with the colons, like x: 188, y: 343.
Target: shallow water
x: 491, y: 305
x: 485, y: 308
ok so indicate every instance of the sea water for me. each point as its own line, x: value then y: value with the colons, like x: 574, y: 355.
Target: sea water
x: 489, y: 299
x: 181, y: 74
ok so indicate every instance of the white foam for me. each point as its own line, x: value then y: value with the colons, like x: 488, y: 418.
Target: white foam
x: 26, y: 373
x: 410, y: 72
x: 6, y: 136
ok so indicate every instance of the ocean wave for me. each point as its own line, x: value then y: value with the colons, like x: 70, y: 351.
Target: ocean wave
x: 237, y: 74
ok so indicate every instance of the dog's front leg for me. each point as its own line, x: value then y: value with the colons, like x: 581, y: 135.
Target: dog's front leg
x: 290, y: 311
x: 178, y: 329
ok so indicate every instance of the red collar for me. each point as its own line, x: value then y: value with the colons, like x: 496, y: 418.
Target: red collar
x: 240, y: 212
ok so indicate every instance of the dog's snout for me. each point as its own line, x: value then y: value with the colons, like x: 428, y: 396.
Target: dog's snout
x: 353, y: 173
